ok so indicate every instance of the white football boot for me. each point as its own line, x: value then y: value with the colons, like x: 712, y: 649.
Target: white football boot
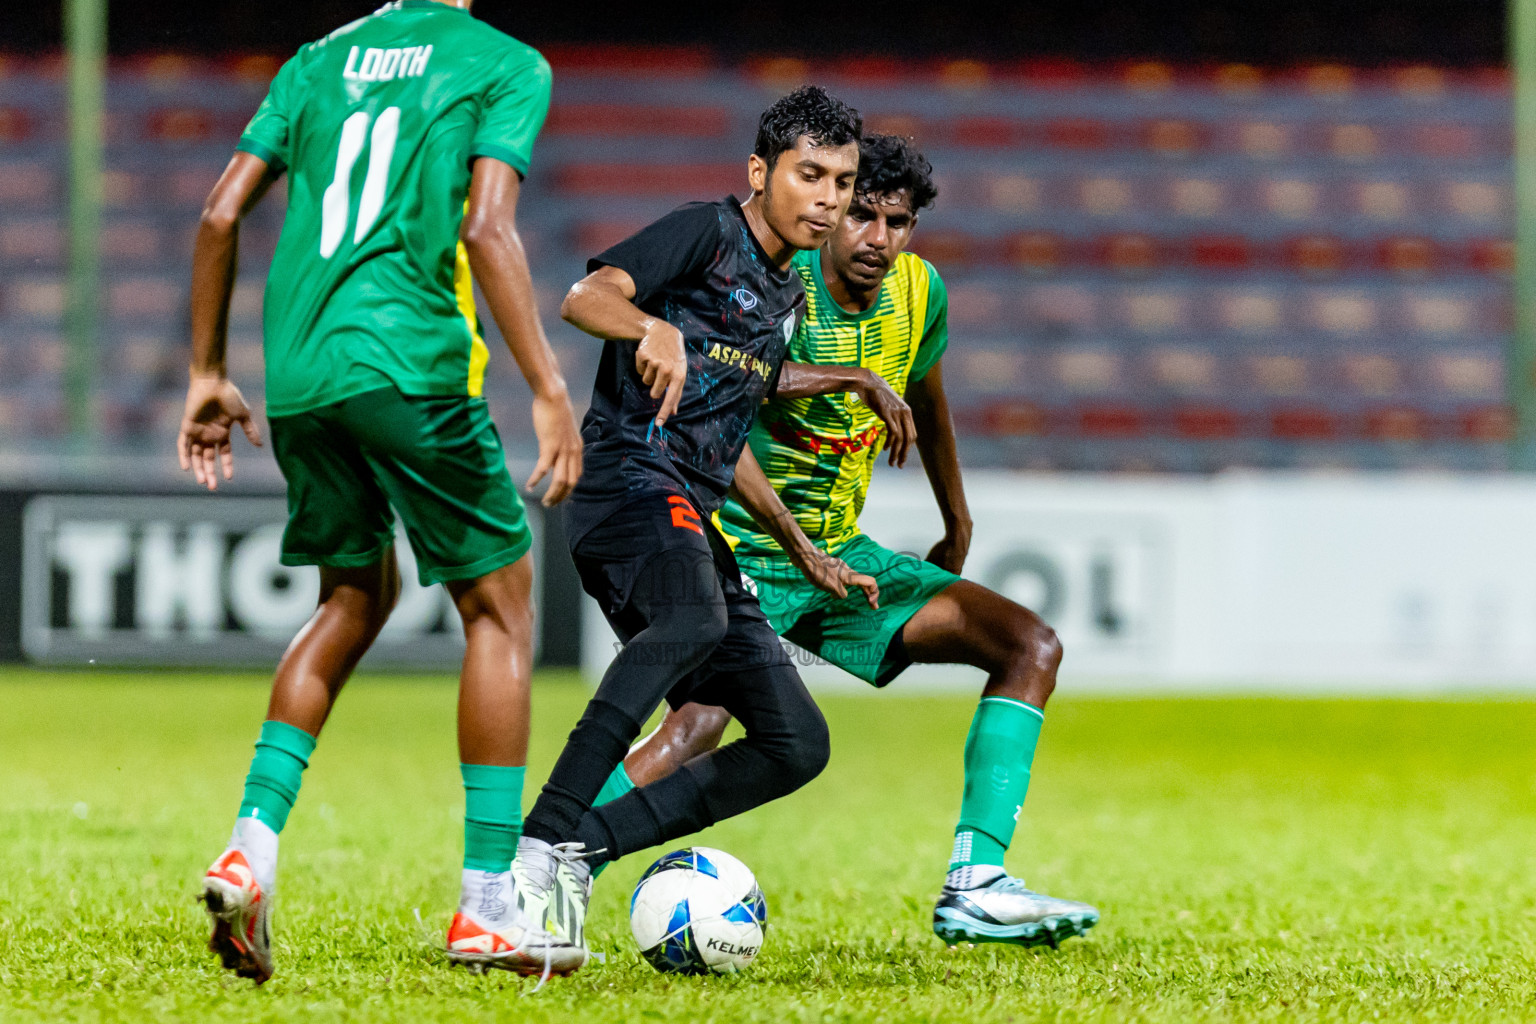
x: 999, y: 908
x: 238, y: 890
x: 553, y: 885
x: 490, y: 928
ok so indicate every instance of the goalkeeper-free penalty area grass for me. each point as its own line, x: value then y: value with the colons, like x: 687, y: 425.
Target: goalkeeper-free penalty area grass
x: 1253, y: 860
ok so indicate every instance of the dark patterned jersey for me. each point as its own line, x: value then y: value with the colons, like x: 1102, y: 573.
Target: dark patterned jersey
x: 702, y: 270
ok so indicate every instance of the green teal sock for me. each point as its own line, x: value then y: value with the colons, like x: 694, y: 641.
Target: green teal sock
x: 493, y: 815
x: 617, y: 785
x: 998, y: 755
x: 271, y: 787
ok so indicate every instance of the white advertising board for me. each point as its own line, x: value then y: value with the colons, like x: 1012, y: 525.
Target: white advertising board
x: 1275, y: 583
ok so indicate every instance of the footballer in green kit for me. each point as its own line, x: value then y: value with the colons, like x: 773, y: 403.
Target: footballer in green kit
x: 873, y: 305
x: 404, y: 136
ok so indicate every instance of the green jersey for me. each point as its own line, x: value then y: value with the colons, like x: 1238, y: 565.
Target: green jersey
x: 377, y: 125
x: 819, y: 452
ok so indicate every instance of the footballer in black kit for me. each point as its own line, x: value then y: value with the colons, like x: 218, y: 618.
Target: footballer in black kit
x: 697, y: 311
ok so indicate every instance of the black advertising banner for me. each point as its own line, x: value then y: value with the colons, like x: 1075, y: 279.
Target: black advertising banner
x: 194, y: 579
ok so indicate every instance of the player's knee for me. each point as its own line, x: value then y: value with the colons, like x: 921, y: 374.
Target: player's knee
x: 806, y: 755
x: 1029, y: 639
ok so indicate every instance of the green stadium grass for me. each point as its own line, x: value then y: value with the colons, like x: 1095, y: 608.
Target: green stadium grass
x: 1253, y: 859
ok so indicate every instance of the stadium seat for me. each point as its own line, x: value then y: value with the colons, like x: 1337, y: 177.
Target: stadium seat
x: 1206, y: 422
x: 1088, y: 370
x: 180, y: 124
x: 17, y: 125
x: 1111, y: 421
x: 619, y: 119
x: 32, y: 241
x: 1223, y: 253
x: 1304, y: 423
x: 1493, y: 424
x: 688, y: 180
x: 27, y: 183
x: 1013, y: 418
x: 1398, y: 424
x: 146, y: 298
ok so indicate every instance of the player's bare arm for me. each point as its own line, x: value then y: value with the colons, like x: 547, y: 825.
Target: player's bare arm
x: 214, y: 405
x: 602, y: 304
x: 941, y: 461
x: 500, y: 264
x: 753, y: 490
x: 801, y: 380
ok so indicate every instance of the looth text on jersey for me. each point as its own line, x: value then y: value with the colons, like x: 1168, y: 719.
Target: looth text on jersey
x: 376, y: 65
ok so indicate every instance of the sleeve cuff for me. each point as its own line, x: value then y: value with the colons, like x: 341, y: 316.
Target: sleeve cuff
x: 516, y: 161
x: 261, y: 151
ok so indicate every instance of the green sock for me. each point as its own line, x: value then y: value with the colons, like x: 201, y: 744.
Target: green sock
x: 617, y: 785
x: 493, y: 815
x: 271, y: 787
x: 998, y: 755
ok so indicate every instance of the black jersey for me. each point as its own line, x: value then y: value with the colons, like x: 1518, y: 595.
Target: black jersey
x: 702, y: 270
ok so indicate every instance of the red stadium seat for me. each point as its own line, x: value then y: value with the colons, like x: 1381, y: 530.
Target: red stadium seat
x: 1304, y: 423
x: 626, y: 120
x: 1051, y: 73
x: 690, y: 180
x: 1206, y: 422
x: 1228, y: 253
x: 1037, y: 252
x: 1398, y: 424
x: 988, y: 133
x: 1408, y: 257
x: 1111, y: 421
x: 1172, y: 138
x: 1014, y: 418
x: 16, y: 125
x: 1315, y: 255
x: 179, y: 124
x: 596, y: 58
x: 1493, y: 423
x: 1132, y: 254
x: 1081, y: 133
x: 1493, y: 256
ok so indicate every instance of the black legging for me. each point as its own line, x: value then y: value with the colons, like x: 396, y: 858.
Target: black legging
x: 678, y: 597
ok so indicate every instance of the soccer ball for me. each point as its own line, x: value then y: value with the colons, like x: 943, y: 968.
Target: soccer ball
x: 698, y: 911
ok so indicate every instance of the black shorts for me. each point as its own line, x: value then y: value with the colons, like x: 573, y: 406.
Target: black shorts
x: 611, y: 554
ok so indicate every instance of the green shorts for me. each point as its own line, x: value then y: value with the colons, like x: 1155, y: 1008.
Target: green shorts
x: 847, y: 632
x: 438, y: 462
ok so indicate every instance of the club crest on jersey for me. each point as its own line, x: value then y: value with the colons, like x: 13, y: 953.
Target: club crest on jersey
x: 746, y: 298
x: 789, y: 327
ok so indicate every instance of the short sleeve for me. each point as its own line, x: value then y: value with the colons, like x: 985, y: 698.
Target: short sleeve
x: 267, y: 136
x: 514, y: 111
x: 935, y: 328
x: 679, y: 245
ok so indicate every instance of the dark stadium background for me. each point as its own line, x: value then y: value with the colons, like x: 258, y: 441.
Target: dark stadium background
x: 1378, y: 31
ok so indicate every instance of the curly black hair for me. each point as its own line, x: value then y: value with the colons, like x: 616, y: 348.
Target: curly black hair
x: 889, y: 164
x: 806, y: 111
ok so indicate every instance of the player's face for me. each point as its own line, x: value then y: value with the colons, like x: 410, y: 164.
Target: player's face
x: 870, y: 236
x: 807, y: 191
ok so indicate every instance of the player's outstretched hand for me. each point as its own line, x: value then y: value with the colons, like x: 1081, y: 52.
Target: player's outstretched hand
x: 554, y: 424
x: 834, y: 575
x: 663, y: 364
x: 883, y: 400
x: 214, y: 406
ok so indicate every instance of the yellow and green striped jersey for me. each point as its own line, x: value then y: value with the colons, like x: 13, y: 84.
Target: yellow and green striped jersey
x: 819, y: 452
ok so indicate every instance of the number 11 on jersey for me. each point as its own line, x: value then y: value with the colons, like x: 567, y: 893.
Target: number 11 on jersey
x: 336, y: 204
